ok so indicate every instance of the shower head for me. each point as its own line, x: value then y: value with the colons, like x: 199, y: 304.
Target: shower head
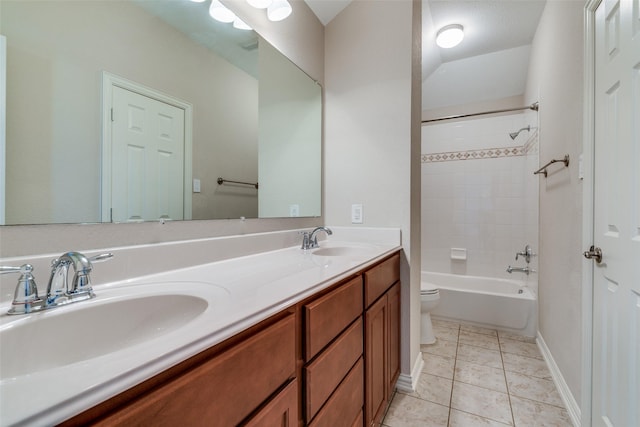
x: 514, y: 135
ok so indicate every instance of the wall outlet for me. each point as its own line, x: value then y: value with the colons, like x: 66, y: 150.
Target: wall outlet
x: 196, y: 185
x: 356, y: 214
x: 294, y: 210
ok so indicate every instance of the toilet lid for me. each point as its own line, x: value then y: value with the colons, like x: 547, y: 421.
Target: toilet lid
x: 428, y: 289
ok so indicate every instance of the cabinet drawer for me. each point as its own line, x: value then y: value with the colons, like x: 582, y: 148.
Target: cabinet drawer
x: 327, y: 371
x: 223, y: 390
x: 330, y: 314
x: 346, y: 403
x: 379, y: 278
x: 282, y: 410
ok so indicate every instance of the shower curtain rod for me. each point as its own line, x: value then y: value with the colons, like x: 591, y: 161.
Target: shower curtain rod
x: 533, y: 106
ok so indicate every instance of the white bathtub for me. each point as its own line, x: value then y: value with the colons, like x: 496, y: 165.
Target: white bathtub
x: 504, y: 304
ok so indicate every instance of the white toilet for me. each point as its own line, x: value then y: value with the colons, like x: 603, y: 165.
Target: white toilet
x: 429, y: 298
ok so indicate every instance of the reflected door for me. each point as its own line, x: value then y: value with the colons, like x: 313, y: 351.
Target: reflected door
x: 147, y: 158
x: 616, y: 287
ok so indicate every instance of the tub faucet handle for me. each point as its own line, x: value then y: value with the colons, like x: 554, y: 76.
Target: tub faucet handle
x: 527, y: 253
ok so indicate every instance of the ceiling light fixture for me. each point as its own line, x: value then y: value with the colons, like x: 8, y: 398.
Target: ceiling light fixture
x: 450, y: 36
x: 260, y: 4
x: 278, y: 10
x: 220, y: 13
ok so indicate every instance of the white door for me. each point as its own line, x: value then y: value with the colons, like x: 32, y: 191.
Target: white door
x: 147, y: 167
x: 616, y: 287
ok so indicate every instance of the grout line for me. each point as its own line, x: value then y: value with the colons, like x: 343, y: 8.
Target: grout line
x: 506, y: 383
x: 453, y: 377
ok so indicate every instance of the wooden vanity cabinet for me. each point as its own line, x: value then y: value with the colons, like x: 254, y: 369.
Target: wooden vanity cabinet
x: 330, y: 360
x: 382, y: 336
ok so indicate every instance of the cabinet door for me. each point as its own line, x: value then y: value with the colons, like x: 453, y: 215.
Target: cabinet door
x: 281, y: 411
x: 376, y: 325
x: 393, y: 302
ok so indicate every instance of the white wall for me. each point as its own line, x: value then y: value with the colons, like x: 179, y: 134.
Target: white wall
x: 368, y: 133
x: 556, y: 80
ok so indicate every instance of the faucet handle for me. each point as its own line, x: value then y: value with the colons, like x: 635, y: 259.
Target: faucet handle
x: 81, y: 279
x: 306, y: 239
x: 527, y: 253
x: 101, y: 257
x: 26, y: 293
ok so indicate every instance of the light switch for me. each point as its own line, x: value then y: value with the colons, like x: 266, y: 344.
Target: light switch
x: 356, y: 214
x: 196, y: 185
x: 294, y: 210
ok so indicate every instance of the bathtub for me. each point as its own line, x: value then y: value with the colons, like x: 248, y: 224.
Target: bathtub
x: 503, y: 304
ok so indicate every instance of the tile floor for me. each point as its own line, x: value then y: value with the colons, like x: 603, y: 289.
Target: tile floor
x: 479, y: 377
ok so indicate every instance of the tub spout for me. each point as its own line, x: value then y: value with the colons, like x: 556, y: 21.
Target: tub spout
x: 525, y: 270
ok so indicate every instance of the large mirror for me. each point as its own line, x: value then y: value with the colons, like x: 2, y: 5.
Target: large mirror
x: 136, y: 110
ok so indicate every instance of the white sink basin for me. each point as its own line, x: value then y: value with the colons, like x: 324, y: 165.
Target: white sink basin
x: 115, y: 320
x: 343, y: 251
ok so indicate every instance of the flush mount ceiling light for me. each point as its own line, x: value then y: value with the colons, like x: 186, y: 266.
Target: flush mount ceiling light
x: 260, y: 4
x: 278, y: 10
x: 450, y: 36
x: 220, y: 13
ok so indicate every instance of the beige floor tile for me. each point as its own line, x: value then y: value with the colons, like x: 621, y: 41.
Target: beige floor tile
x: 444, y: 323
x: 478, y: 330
x: 441, y: 348
x: 515, y: 337
x: 480, y: 375
x: 479, y: 355
x: 482, y: 402
x: 527, y: 413
x: 479, y: 340
x: 521, y: 348
x: 526, y: 365
x: 532, y: 388
x: 408, y: 411
x: 434, y: 389
x: 463, y: 419
x: 438, y: 365
x: 445, y: 333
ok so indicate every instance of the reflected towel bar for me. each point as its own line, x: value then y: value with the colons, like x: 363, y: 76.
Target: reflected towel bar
x: 543, y: 170
x: 222, y: 181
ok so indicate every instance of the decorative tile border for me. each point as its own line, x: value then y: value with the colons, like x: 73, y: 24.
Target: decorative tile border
x: 487, y: 153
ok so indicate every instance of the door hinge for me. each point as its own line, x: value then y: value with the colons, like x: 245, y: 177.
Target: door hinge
x: 112, y: 114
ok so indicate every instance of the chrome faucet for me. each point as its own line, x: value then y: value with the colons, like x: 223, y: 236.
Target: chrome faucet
x: 310, y: 239
x: 26, y: 299
x: 525, y: 270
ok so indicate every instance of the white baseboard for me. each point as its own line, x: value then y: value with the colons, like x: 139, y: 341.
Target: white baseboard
x: 407, y: 383
x: 563, y: 389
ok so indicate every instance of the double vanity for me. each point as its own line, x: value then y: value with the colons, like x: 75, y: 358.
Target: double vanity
x: 309, y: 336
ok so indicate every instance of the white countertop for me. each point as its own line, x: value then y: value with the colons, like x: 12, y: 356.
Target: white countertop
x: 242, y: 292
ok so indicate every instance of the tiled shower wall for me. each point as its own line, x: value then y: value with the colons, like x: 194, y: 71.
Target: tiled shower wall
x: 479, y: 193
